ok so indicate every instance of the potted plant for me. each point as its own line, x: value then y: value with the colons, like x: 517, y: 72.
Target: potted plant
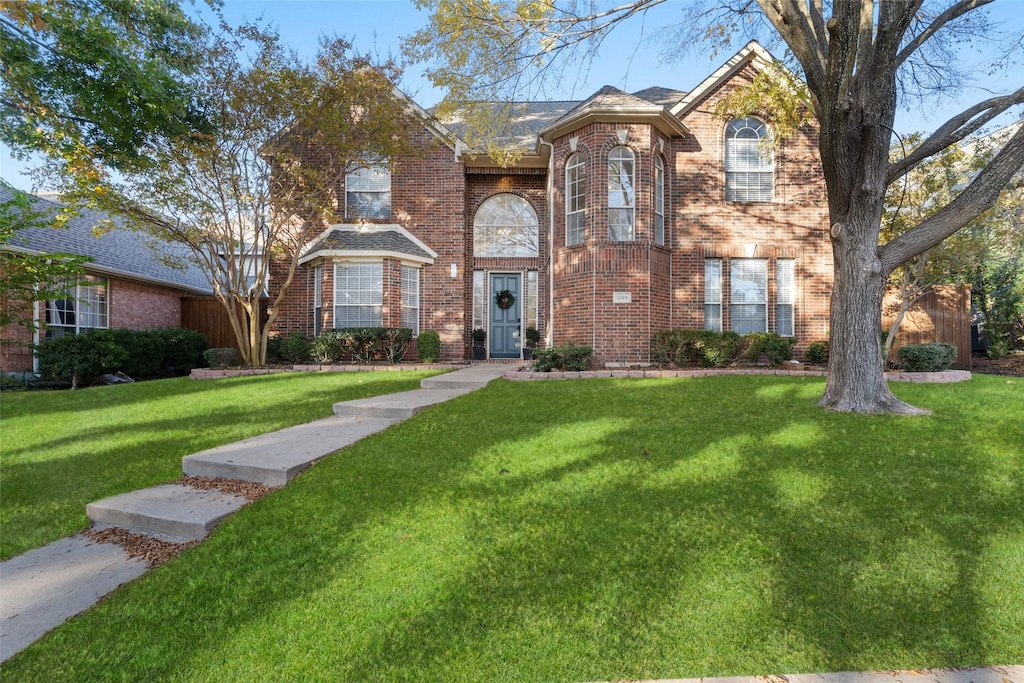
x: 532, y: 340
x: 479, y: 350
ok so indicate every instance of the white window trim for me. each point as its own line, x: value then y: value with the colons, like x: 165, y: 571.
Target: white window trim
x: 659, y: 200
x: 358, y: 177
x: 734, y: 267
x: 578, y: 180
x: 378, y: 295
x: 713, y: 292
x: 785, y: 295
x: 630, y: 207
x: 411, y: 298
x: 79, y: 295
x: 765, y: 166
x: 522, y: 240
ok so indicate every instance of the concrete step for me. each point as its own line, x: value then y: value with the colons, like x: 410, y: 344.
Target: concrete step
x: 273, y: 459
x: 473, y: 377
x: 170, y: 512
x: 399, y: 406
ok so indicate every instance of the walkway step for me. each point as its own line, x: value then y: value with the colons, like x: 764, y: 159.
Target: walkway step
x: 399, y: 406
x: 273, y: 459
x: 171, y: 512
x: 473, y: 377
x: 48, y: 585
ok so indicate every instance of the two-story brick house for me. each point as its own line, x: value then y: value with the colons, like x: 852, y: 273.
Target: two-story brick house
x: 628, y: 214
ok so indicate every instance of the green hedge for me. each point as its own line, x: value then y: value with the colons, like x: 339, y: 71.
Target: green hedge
x: 934, y: 357
x: 777, y: 350
x: 569, y: 357
x: 140, y: 354
x: 363, y: 344
x: 817, y: 352
x: 428, y: 346
x: 705, y: 348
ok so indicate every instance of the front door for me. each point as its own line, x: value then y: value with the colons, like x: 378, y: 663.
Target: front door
x: 506, y: 319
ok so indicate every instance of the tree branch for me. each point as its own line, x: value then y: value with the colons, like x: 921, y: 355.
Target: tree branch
x: 953, y: 12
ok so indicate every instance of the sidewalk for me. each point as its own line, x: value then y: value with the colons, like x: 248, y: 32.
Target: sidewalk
x: 43, y: 588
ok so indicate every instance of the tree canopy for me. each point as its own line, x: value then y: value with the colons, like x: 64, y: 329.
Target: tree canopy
x: 94, y: 82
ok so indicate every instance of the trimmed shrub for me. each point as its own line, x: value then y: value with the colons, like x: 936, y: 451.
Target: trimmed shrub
x: 295, y: 348
x: 428, y: 345
x: 705, y: 348
x: 81, y: 358
x: 817, y: 352
x: 776, y: 349
x: 161, y: 352
x: 364, y: 344
x: 569, y: 357
x: 221, y: 358
x: 934, y: 357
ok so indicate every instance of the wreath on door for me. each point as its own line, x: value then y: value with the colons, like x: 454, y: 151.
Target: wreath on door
x: 505, y: 299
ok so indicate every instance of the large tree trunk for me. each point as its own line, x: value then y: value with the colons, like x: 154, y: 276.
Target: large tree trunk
x: 856, y: 381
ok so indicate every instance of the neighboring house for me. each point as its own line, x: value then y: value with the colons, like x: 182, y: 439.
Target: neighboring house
x: 128, y: 284
x: 629, y: 214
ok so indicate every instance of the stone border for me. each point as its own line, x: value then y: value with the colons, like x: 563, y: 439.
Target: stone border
x: 217, y: 373
x: 526, y: 375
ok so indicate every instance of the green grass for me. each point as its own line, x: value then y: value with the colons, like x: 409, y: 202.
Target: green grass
x: 61, y: 450
x: 602, y: 530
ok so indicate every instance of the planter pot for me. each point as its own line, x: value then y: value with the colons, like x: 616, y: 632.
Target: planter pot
x: 527, y: 353
x: 479, y: 353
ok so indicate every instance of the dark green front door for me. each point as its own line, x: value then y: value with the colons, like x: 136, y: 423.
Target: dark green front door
x: 504, y: 335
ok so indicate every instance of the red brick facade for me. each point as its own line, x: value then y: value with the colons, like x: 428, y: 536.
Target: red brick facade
x: 611, y: 295
x: 130, y: 305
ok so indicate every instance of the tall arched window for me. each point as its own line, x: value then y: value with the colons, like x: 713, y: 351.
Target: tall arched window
x: 749, y: 164
x: 575, y: 199
x: 659, y: 200
x: 621, y: 195
x: 505, y: 225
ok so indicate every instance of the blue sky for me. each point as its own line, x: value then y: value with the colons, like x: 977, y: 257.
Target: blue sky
x: 626, y: 60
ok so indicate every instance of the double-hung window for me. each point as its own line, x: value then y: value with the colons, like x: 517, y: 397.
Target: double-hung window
x: 411, y: 299
x: 621, y: 195
x: 748, y: 299
x: 368, y: 193
x: 659, y: 200
x: 84, y: 307
x: 784, y: 296
x: 713, y: 294
x: 575, y: 200
x: 358, y: 294
x: 749, y: 162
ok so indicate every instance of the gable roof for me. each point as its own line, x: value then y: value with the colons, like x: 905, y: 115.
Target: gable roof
x: 368, y: 240
x: 120, y: 252
x: 611, y: 104
x: 751, y: 52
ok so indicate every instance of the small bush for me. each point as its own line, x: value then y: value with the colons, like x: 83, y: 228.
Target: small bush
x: 776, y: 349
x: 81, y: 358
x: 934, y: 357
x: 817, y: 352
x: 705, y: 348
x: 221, y: 358
x: 12, y: 382
x: 295, y: 348
x: 364, y: 344
x: 429, y: 346
x: 160, y: 352
x: 569, y: 357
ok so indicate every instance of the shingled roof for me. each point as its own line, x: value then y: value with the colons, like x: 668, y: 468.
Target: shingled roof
x: 368, y: 239
x: 119, y: 252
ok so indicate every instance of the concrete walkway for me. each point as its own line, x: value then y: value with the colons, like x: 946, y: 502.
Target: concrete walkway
x: 44, y: 587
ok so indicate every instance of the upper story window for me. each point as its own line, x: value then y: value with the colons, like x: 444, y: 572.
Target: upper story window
x: 621, y: 195
x: 575, y: 200
x: 505, y: 225
x: 368, y: 193
x: 749, y: 164
x: 659, y: 200
x: 84, y: 308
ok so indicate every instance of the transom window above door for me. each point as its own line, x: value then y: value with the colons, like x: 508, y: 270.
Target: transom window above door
x: 505, y: 225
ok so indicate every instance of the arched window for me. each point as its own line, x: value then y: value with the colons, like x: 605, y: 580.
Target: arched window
x: 621, y: 195
x: 575, y: 200
x: 505, y: 225
x: 659, y: 200
x: 749, y: 164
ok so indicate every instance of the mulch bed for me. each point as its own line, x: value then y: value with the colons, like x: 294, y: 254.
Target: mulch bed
x: 155, y: 551
x: 1011, y: 366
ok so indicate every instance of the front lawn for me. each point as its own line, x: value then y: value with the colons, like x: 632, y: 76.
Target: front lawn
x: 62, y: 449
x: 602, y: 530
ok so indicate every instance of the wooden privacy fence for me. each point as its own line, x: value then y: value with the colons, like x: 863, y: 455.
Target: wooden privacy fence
x: 207, y: 316
x: 941, y: 315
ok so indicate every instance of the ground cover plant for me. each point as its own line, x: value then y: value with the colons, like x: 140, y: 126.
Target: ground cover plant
x: 63, y: 449
x: 602, y: 530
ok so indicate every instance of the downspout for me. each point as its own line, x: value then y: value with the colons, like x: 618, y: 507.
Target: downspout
x: 550, y: 337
